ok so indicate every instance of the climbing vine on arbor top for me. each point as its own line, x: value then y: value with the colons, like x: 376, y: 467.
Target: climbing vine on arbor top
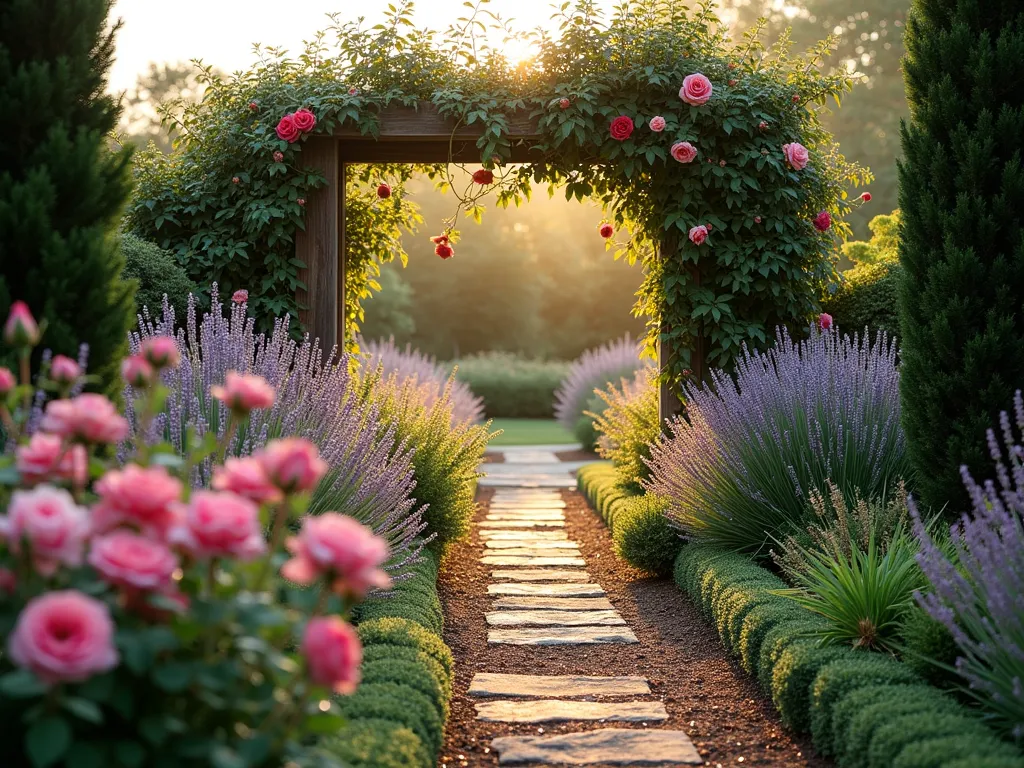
x: 709, y: 152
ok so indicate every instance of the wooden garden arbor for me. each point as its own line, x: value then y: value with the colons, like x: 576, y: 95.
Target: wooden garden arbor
x: 407, y: 135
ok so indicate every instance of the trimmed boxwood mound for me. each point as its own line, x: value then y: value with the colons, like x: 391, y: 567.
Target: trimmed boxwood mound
x: 396, y: 717
x: 639, y: 528
x: 867, y: 710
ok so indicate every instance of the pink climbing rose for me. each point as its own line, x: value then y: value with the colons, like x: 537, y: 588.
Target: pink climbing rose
x: 21, y: 329
x: 696, y: 89
x: 161, y: 352
x: 698, y: 234
x: 126, y: 559
x: 621, y: 128
x: 796, y: 155
x: 825, y: 321
x: 684, y: 152
x: 244, y: 392
x: 823, y: 221
x: 342, y: 550
x: 145, y: 498
x: 657, y: 124
x: 293, y: 464
x: 88, y: 418
x: 52, y: 524
x: 217, y: 524
x: 304, y: 120
x: 240, y: 296
x: 246, y: 477
x: 64, y: 370
x: 46, y: 457
x: 287, y: 130
x: 137, y: 372
x: 333, y: 654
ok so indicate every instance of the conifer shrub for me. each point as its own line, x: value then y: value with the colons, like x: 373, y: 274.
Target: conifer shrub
x: 909, y: 732
x: 157, y: 273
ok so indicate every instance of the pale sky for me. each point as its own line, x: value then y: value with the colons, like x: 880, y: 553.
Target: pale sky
x: 221, y: 32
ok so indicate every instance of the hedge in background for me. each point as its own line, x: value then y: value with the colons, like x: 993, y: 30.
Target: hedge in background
x: 867, y: 299
x: 513, y: 387
x: 865, y: 709
x: 157, y: 273
x: 638, y: 524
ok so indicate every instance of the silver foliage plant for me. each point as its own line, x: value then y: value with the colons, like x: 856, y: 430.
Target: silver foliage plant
x: 371, y: 474
x: 977, y: 585
x: 428, y: 376
x: 743, y: 463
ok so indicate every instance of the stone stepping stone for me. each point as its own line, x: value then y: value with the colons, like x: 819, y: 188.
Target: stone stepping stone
x: 527, y: 551
x: 495, y: 535
x: 525, y: 516
x: 561, y: 636
x: 516, y: 603
x: 526, y: 494
x: 608, y: 746
x: 547, y: 590
x: 529, y: 618
x: 554, y: 710
x: 537, y: 560
x: 527, y: 504
x: 527, y: 541
x: 499, y: 684
x: 539, y: 575
x: 522, y: 524
x: 530, y: 457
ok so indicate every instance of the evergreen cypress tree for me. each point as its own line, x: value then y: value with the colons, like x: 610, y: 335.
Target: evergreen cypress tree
x: 962, y: 199
x: 61, y: 188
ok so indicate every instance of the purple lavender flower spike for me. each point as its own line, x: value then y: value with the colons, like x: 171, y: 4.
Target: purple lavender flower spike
x: 596, y: 369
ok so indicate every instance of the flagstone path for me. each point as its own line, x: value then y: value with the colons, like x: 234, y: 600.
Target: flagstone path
x: 541, y: 608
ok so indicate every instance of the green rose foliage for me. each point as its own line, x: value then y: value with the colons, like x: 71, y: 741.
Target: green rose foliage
x: 764, y: 263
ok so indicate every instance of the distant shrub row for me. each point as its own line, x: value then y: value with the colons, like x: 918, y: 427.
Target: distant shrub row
x: 513, y: 387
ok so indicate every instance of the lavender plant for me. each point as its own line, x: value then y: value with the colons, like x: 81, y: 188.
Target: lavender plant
x: 739, y: 469
x: 977, y: 584
x: 595, y: 369
x: 430, y: 377
x: 371, y: 474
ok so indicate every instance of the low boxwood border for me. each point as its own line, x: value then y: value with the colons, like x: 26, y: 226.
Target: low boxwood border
x: 639, y: 528
x: 866, y: 710
x: 396, y: 717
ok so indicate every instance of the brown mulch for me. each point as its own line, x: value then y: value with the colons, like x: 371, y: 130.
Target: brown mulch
x: 577, y: 456
x: 729, y: 720
x: 494, y: 458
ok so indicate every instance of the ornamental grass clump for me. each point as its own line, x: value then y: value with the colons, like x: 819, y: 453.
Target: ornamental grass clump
x: 978, y: 591
x: 369, y: 470
x: 430, y: 377
x: 740, y: 468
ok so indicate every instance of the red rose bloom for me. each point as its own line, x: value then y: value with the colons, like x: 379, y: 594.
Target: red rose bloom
x: 383, y: 191
x: 278, y: 157
x: 287, y: 130
x: 253, y: 106
x: 621, y: 128
x: 439, y: 239
x: 822, y: 221
x: 563, y: 103
x: 305, y: 120
x: 762, y: 126
x: 606, y: 230
x: 444, y: 250
x: 235, y: 180
x: 796, y: 98
x: 866, y: 197
x: 301, y: 201
x: 483, y: 176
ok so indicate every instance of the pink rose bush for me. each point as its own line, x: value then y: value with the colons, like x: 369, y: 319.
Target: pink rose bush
x: 696, y: 90
x: 698, y: 234
x: 796, y: 155
x: 119, y: 567
x: 657, y: 124
x: 683, y: 152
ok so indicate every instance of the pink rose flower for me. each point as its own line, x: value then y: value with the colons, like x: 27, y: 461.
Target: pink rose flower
x: 698, y: 234
x: 137, y: 373
x: 161, y: 352
x: 240, y: 296
x: 126, y: 559
x: 684, y: 152
x: 657, y: 124
x: 247, y: 478
x: 621, y: 128
x: 342, y: 550
x: 7, y: 381
x: 293, y: 464
x: 305, y: 120
x: 563, y: 103
x: 287, y: 130
x: 696, y: 89
x: 244, y: 392
x: 278, y: 156
x: 823, y: 221
x: 145, y: 498
x: 46, y: 457
x: 219, y: 524
x: 21, y: 329
x: 796, y: 155
x: 54, y: 526
x: 825, y: 321
x: 64, y: 636
x: 333, y: 654
x: 88, y: 418
x: 64, y: 370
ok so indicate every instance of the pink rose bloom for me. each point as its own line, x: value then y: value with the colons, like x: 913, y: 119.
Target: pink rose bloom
x: 54, y: 526
x: 698, y: 234
x: 341, y: 549
x: 7, y: 381
x: 278, y: 156
x: 126, y: 559
x: 64, y: 370
x: 142, y: 497
x: 823, y: 221
x: 244, y: 392
x: 46, y: 456
x: 219, y: 524
x: 64, y: 636
x: 137, y: 372
x: 333, y: 654
x: 293, y: 464
x: 696, y: 89
x: 247, y: 478
x: 161, y: 352
x: 240, y: 296
x: 796, y: 155
x: 89, y: 418
x: 21, y: 329
x: 825, y: 321
x: 657, y: 124
x: 305, y: 120
x: 287, y: 130
x: 684, y: 152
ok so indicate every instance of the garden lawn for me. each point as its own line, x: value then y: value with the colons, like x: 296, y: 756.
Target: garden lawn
x: 530, y: 432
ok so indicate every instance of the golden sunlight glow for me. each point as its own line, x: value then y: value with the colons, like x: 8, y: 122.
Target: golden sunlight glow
x: 518, y: 51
